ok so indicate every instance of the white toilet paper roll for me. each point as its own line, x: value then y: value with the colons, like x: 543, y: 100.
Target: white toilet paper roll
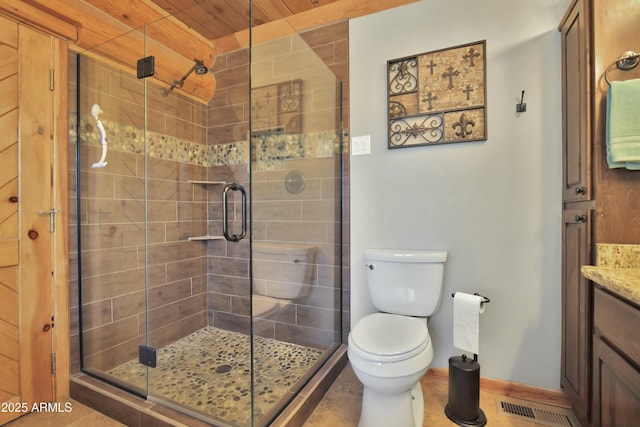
x: 466, y: 321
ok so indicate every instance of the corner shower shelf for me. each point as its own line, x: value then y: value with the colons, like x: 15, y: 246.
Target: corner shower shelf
x: 204, y: 238
x: 200, y: 238
x: 208, y: 182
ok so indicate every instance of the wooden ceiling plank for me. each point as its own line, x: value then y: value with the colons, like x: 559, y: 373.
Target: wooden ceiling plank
x: 332, y: 12
x: 340, y: 11
x: 231, y: 13
x: 298, y: 6
x: 35, y: 16
x: 273, y: 9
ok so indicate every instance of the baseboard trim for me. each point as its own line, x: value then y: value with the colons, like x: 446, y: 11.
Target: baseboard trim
x: 511, y: 389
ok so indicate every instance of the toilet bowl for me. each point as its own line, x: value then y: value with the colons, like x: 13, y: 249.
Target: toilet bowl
x: 391, y: 350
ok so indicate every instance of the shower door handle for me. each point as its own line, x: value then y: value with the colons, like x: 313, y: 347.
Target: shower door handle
x: 225, y: 226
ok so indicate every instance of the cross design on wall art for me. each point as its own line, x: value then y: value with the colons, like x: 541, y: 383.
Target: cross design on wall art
x: 438, y: 97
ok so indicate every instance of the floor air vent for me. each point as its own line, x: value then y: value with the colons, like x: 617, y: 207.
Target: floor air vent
x: 537, y: 413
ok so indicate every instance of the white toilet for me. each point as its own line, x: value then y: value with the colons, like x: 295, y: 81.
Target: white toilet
x: 391, y: 350
x: 283, y: 272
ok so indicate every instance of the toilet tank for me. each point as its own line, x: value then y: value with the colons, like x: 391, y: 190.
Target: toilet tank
x: 407, y: 282
x: 283, y: 270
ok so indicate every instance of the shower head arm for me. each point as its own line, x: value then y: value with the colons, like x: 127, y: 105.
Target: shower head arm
x: 198, y: 67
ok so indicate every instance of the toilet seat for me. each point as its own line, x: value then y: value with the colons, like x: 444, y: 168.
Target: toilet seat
x: 384, y: 337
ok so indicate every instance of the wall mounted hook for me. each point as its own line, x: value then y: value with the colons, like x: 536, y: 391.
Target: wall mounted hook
x: 522, y: 106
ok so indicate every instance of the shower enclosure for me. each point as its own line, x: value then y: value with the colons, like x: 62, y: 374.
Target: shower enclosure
x: 207, y: 229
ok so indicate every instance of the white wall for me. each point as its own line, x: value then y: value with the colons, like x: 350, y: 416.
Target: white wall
x: 494, y: 205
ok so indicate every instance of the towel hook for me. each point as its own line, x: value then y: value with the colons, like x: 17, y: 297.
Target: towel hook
x: 522, y: 106
x: 627, y: 61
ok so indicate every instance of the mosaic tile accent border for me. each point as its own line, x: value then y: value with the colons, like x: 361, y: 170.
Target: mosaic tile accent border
x: 271, y: 150
x: 210, y: 371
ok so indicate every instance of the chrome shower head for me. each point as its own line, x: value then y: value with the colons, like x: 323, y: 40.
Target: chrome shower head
x: 200, y: 68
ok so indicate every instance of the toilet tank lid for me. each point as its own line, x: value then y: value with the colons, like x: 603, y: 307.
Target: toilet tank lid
x: 405, y: 255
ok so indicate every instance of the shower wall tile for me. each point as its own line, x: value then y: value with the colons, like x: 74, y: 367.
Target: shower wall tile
x: 170, y: 313
x: 165, y: 210
x: 110, y: 335
x: 283, y: 211
x: 182, y: 230
x: 328, y: 276
x: 229, y: 266
x: 128, y: 305
x: 100, y: 262
x: 230, y: 322
x: 302, y: 335
x: 190, y: 211
x: 112, y: 235
x: 194, y: 268
x: 157, y: 189
x: 301, y: 232
x: 240, y: 305
x: 171, y: 292
x: 319, y: 210
x: 229, y: 285
x: 183, y: 129
x: 96, y: 314
x: 315, y: 317
x: 186, y: 326
x: 219, y: 302
x: 173, y: 251
x: 321, y: 297
x: 199, y: 284
x: 109, y: 285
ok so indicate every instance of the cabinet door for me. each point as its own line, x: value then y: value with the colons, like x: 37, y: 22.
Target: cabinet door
x: 576, y: 303
x: 576, y: 154
x: 616, y: 388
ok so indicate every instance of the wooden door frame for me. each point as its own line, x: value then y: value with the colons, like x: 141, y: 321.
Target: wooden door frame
x: 60, y: 199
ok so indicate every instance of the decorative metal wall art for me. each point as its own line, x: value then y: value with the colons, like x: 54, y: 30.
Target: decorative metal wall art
x: 278, y: 107
x: 438, y: 97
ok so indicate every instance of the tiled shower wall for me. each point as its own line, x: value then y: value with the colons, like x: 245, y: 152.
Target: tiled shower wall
x: 195, y: 283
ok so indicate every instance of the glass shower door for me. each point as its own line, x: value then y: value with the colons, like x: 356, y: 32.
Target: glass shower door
x: 111, y: 214
x: 295, y: 217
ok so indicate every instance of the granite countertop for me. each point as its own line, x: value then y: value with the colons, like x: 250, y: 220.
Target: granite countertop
x: 623, y: 281
x: 617, y: 269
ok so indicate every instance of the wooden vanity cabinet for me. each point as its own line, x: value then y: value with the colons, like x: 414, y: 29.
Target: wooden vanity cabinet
x: 616, y: 361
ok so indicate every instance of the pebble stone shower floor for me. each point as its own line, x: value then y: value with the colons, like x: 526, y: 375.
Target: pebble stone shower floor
x: 210, y: 371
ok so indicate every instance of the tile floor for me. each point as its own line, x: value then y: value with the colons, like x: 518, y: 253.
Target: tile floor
x: 339, y: 408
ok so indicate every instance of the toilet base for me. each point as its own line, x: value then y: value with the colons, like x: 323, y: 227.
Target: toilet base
x: 405, y: 409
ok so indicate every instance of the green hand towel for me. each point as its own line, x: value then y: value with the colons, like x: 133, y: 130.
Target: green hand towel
x: 623, y: 124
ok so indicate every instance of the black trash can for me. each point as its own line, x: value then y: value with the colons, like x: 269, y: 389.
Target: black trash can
x: 463, y: 407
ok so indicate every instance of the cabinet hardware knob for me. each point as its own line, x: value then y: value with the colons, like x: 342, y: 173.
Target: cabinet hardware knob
x: 581, y: 218
x: 581, y: 191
